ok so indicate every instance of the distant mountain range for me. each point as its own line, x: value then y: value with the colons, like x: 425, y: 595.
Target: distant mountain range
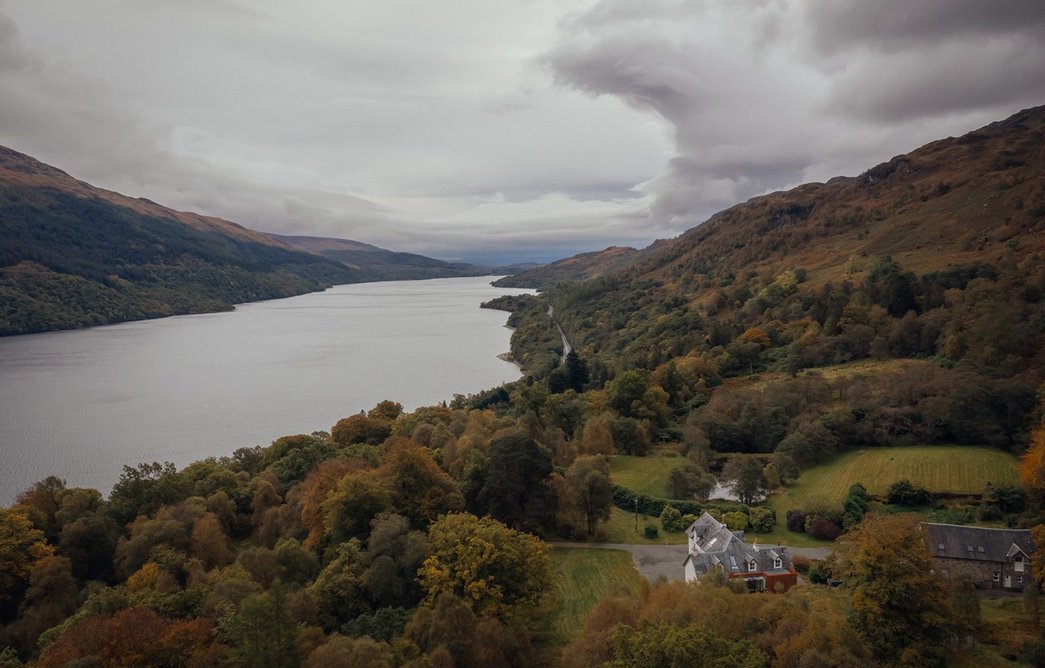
x: 73, y: 255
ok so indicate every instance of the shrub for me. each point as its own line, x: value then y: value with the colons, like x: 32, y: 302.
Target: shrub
x: 796, y: 521
x: 763, y: 520
x: 671, y: 519
x: 651, y: 531
x: 906, y: 493
x: 990, y: 513
x: 824, y: 529
x: 817, y: 574
x: 1008, y: 498
x: 800, y: 563
x: 735, y: 521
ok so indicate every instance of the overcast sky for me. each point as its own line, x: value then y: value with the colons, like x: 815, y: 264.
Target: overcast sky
x: 498, y: 130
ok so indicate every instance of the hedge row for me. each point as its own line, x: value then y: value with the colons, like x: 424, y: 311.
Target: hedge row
x: 624, y: 499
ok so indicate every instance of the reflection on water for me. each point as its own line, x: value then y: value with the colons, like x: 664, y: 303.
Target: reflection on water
x: 81, y: 404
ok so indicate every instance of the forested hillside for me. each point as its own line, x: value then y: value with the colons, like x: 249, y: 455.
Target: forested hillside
x: 896, y: 317
x: 72, y: 255
x: 934, y: 256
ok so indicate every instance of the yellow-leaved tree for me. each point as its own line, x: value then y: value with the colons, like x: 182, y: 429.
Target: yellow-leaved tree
x: 493, y: 569
x: 21, y: 546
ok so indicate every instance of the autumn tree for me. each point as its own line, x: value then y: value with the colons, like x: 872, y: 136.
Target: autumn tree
x: 597, y: 436
x: 21, y: 546
x: 1032, y: 467
x: 589, y: 490
x: 52, y: 596
x: 689, y: 481
x: 901, y: 607
x: 210, y: 543
x: 386, y: 410
x: 354, y: 502
x: 492, y: 568
x: 446, y: 622
x: 310, y: 495
x: 360, y: 428
x: 420, y: 489
x: 141, y: 490
x: 656, y: 645
x: 357, y: 652
x: 42, y: 501
x: 263, y: 632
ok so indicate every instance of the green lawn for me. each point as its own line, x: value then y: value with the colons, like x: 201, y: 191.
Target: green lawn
x: 621, y: 529
x: 955, y: 469
x: 583, y: 576
x: 645, y: 475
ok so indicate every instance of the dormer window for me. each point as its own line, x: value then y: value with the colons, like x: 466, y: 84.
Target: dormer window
x: 751, y: 566
x: 778, y: 563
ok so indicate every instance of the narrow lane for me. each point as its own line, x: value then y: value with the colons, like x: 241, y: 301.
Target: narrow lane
x: 566, y: 347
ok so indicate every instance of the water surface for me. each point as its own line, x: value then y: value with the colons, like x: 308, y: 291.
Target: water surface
x: 81, y: 404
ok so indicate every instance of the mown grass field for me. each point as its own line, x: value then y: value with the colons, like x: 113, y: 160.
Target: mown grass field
x: 583, y: 576
x: 645, y: 475
x: 952, y: 469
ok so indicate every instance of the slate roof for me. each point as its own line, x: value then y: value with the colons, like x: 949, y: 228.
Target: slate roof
x: 953, y: 541
x: 713, y: 544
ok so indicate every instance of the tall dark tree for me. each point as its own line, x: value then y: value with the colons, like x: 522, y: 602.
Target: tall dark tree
x: 576, y: 371
x: 744, y: 474
x: 517, y: 490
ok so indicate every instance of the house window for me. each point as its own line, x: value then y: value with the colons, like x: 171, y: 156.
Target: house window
x: 997, y: 576
x: 1019, y: 579
x: 777, y: 563
x: 941, y: 547
x: 979, y: 549
x: 751, y: 565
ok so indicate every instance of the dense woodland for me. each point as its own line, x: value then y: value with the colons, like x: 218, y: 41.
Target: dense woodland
x: 768, y: 340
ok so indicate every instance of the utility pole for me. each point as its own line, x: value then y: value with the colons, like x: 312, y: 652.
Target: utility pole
x: 636, y: 514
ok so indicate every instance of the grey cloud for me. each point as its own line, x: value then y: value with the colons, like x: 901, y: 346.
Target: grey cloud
x: 1001, y: 74
x: 890, y: 24
x: 12, y: 54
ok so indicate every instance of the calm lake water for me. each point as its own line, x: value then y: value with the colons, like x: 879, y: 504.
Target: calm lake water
x: 83, y: 403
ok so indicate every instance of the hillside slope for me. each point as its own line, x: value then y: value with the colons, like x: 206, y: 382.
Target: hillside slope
x: 914, y: 294
x: 952, y: 232
x: 72, y: 255
x: 579, y: 267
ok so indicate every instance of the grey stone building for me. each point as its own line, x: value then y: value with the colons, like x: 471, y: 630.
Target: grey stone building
x: 991, y: 558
